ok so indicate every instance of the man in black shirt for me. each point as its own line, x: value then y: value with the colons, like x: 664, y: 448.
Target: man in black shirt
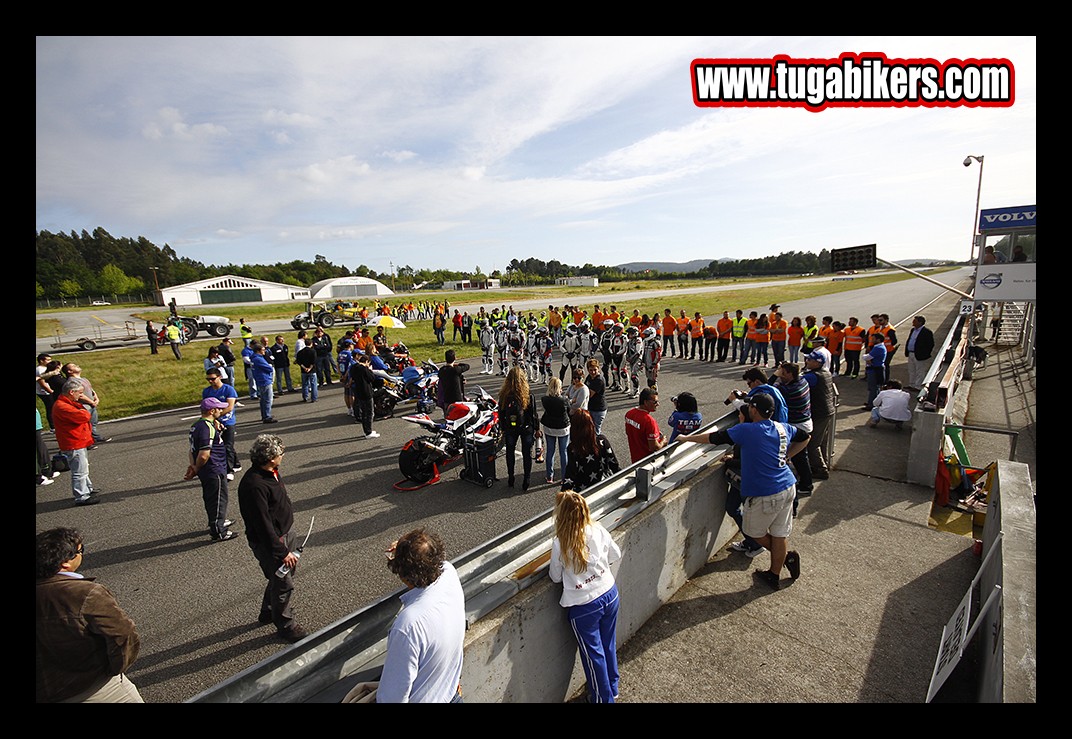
x: 452, y: 380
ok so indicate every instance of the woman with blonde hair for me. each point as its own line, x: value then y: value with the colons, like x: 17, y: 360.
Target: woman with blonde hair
x: 555, y: 425
x: 517, y: 419
x: 582, y: 553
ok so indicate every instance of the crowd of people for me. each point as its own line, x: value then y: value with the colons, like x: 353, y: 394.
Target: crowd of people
x: 780, y: 448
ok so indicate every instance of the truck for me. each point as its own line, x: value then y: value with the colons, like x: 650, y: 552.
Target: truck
x: 327, y: 315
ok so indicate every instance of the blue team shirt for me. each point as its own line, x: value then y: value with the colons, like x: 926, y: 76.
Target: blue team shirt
x: 781, y: 409
x: 225, y: 393
x: 684, y: 423
x: 764, y: 457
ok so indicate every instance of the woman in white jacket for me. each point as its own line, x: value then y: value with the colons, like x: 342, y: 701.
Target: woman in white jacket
x: 582, y: 553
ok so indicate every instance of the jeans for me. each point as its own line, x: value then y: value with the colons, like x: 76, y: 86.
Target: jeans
x: 778, y: 348
x: 560, y: 442
x: 323, y: 369
x: 746, y: 351
x: 733, y: 507
x: 439, y: 336
x: 760, y: 351
x: 81, y: 485
x: 597, y: 419
x: 228, y: 443
x: 668, y: 346
x: 283, y: 373
x: 308, y: 386
x: 723, y: 349
x: 875, y: 378
x: 250, y: 382
x: 738, y: 343
x: 794, y: 352
x: 265, y: 393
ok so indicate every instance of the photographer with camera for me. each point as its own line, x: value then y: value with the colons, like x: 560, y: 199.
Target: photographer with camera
x: 768, y: 486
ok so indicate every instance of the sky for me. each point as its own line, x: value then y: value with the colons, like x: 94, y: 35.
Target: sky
x: 465, y: 153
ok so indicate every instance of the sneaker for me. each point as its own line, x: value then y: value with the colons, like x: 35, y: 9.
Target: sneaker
x: 225, y: 536
x: 372, y: 435
x: 820, y: 475
x: 350, y: 412
x: 269, y: 420
x: 45, y: 481
x: 228, y: 523
x: 738, y: 546
x: 56, y: 474
x: 803, y: 492
x: 264, y: 618
x: 236, y: 469
x: 792, y: 563
x: 768, y: 578
x: 230, y: 477
x: 239, y: 405
x: 89, y: 500
x: 294, y: 634
x: 753, y: 553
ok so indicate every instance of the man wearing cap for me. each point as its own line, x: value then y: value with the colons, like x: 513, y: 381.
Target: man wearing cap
x: 767, y: 484
x: 820, y: 351
x: 208, y: 463
x: 225, y: 394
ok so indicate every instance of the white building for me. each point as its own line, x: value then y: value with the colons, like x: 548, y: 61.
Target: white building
x: 582, y: 281
x: 230, y: 289
x: 489, y: 284
x: 348, y: 287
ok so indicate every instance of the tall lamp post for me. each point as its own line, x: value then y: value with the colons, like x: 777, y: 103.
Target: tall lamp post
x: 979, y: 191
x: 156, y: 282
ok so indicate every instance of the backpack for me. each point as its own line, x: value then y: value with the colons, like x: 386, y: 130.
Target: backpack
x: 514, y: 416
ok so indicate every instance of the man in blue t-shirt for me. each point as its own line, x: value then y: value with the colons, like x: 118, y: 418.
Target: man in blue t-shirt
x: 876, y: 367
x: 225, y: 393
x: 767, y: 483
x: 208, y: 463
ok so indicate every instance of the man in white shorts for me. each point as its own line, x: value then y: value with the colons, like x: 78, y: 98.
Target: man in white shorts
x: 768, y: 485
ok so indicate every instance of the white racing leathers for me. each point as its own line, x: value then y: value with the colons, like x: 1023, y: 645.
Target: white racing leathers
x: 487, y: 347
x: 653, y: 353
x: 634, y: 363
x: 502, y: 348
x: 571, y: 354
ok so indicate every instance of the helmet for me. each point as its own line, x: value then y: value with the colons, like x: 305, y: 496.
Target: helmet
x: 400, y: 348
x: 585, y: 326
x: 649, y: 332
x: 542, y: 331
x: 571, y: 329
x: 532, y: 325
x: 608, y: 322
x: 632, y: 331
x: 500, y: 324
x: 618, y: 326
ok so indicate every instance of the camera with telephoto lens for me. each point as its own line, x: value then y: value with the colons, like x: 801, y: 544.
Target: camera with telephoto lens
x: 736, y: 394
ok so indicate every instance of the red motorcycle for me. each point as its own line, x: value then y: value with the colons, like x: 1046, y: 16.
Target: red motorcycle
x: 474, y: 420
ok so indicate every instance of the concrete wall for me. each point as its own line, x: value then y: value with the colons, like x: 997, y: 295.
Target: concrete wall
x: 1007, y: 649
x: 524, y: 651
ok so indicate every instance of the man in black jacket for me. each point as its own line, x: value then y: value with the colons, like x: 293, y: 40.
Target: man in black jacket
x: 268, y: 515
x: 918, y: 350
x: 452, y: 379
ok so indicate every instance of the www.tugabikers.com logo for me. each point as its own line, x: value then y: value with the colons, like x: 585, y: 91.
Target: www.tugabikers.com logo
x: 870, y: 79
x: 992, y: 280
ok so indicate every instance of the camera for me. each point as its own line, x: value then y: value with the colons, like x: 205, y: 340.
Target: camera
x: 736, y: 394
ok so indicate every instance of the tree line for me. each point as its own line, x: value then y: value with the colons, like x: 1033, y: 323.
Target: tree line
x: 72, y: 265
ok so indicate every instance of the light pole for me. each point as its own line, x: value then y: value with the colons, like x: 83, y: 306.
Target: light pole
x: 392, y: 276
x: 978, y: 192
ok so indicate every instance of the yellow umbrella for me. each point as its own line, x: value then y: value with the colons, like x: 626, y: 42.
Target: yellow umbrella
x: 387, y: 322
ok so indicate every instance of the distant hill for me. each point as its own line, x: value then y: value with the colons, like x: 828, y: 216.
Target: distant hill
x: 928, y: 262
x: 694, y: 265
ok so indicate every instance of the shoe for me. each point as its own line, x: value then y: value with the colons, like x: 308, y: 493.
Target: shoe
x: 236, y: 469
x: 91, y: 446
x: 350, y: 412
x: 225, y: 536
x: 228, y: 523
x: 269, y: 420
x: 56, y: 474
x: 792, y: 563
x: 820, y: 475
x: 753, y: 553
x: 804, y: 492
x: 91, y: 500
x: 95, y: 491
x: 509, y: 481
x: 294, y: 634
x: 525, y: 482
x: 551, y: 480
x: 45, y: 481
x: 230, y: 477
x: 372, y: 435
x: 105, y: 440
x: 264, y: 618
x: 239, y: 405
x: 768, y: 578
x: 738, y: 546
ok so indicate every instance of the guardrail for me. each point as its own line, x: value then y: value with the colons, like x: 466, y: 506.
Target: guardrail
x: 491, y: 574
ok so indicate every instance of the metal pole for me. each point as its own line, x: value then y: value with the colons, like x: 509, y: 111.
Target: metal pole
x: 925, y: 277
x: 978, y: 192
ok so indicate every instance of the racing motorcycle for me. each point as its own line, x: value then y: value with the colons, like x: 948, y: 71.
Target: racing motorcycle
x: 415, y: 383
x: 397, y: 357
x: 475, y: 420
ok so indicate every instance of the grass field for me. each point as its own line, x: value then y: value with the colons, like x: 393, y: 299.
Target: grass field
x: 132, y: 381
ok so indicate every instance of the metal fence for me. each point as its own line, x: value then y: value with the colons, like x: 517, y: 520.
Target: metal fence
x: 91, y: 300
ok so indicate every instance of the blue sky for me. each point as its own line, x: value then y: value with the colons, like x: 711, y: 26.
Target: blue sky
x: 457, y: 152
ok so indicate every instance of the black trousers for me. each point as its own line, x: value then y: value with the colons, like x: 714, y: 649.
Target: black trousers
x: 526, y: 452
x: 279, y: 590
x: 364, y: 413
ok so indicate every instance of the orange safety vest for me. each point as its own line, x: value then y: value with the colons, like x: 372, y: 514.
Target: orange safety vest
x: 682, y: 325
x: 885, y: 331
x: 833, y: 341
x: 778, y: 329
x: 750, y: 332
x: 724, y: 326
x: 635, y: 320
x: 854, y: 338
x: 697, y: 325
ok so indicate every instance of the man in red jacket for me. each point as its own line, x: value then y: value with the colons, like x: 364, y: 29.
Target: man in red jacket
x: 74, y: 435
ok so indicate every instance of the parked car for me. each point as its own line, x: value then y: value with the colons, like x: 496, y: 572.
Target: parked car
x: 100, y: 302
